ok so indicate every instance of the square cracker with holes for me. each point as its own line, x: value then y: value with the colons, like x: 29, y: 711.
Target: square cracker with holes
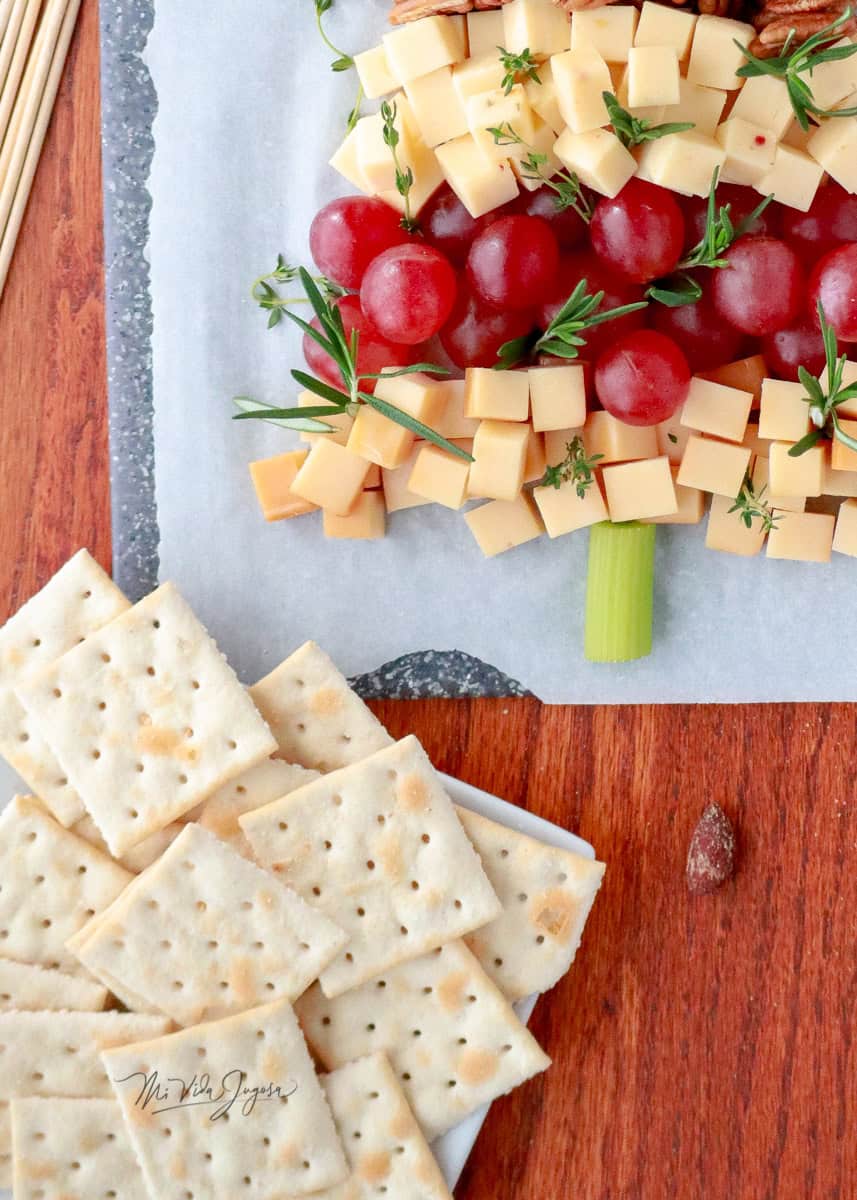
x: 204, y: 933
x: 138, y: 857
x: 377, y: 846
x: 73, y: 1150
x: 5, y: 1146
x: 317, y: 719
x: 546, y: 895
x: 78, y: 600
x: 453, y: 1039
x: 57, y: 1053
x: 147, y: 719
x: 52, y: 884
x: 279, y: 1140
x: 26, y: 988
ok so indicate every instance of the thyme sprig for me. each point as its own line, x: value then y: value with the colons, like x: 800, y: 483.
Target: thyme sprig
x: 575, y: 468
x: 341, y: 61
x: 270, y: 300
x: 404, y: 175
x: 791, y: 65
x: 518, y: 68
x: 566, y: 185
x: 633, y: 131
x: 751, y: 506
x: 825, y: 396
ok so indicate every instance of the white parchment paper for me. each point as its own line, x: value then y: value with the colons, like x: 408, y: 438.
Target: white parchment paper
x: 249, y: 113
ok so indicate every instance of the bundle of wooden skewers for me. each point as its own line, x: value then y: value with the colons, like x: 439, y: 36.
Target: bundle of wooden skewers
x: 34, y: 39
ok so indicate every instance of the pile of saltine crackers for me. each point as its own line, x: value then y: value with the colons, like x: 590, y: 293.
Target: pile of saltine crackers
x: 215, y: 893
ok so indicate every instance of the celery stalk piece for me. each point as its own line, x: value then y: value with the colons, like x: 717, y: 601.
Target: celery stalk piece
x: 619, y: 591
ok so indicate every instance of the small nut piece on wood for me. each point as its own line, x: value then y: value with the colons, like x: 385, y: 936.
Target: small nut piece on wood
x: 711, y: 858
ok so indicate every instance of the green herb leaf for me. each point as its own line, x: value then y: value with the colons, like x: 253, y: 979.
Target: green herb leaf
x: 575, y: 468
x: 631, y: 131
x: 518, y: 68
x: 404, y: 175
x: 413, y: 369
x: 566, y: 185
x: 751, y: 506
x: 341, y: 60
x: 319, y: 388
x: 393, y: 413
x: 676, y: 291
x: 287, y: 418
x: 824, y: 400
x: 270, y: 300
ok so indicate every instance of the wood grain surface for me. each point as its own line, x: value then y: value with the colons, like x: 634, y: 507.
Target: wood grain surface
x: 702, y: 1047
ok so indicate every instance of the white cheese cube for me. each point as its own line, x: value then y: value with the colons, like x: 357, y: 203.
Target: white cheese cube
x: 427, y: 178
x: 542, y: 142
x: 718, y: 410
x: 803, y: 476
x: 581, y: 77
x: 482, y: 74
x: 832, y: 81
x: 543, y: 99
x: 420, y: 47
x: 654, y: 113
x: 796, y: 137
x: 495, y: 110
x: 563, y: 511
x: 481, y: 185
x: 690, y: 505
x: 485, y: 32
x: 502, y: 525
x: 793, y: 180
x: 802, y: 537
x: 640, y: 489
x: 784, y: 412
x: 373, y: 154
x: 347, y: 162
x: 702, y: 106
x: 664, y: 25
x: 714, y: 57
x: 609, y: 29
x: 534, y: 460
x: 598, y: 158
x: 761, y: 479
x: 764, y: 100
x: 535, y: 25
x: 727, y: 532
x: 499, y: 459
x: 682, y: 162
x: 653, y: 76
x: 834, y: 146
x: 437, y: 107
x: 557, y: 397
x: 376, y: 76
x: 440, y: 476
x: 713, y: 466
x: 750, y: 151
x: 617, y: 441
x: 845, y: 536
x: 497, y: 395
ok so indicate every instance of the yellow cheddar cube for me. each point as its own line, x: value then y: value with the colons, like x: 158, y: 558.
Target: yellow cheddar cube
x: 653, y: 76
x: 557, y: 397
x: 712, y: 466
x: 746, y: 374
x: 346, y: 161
x: 609, y: 30
x: 273, y: 479
x: 803, y: 476
x: 714, y: 57
x: 428, y: 177
x: 331, y: 477
x: 832, y: 81
x: 760, y: 447
x: 683, y: 162
x: 420, y: 47
x: 535, y: 25
x: 598, y: 158
x: 700, y: 105
x: 764, y: 100
x: 727, y: 532
x: 784, y: 413
x: 802, y: 537
x: 834, y: 147
x: 838, y: 483
x: 535, y: 461
x: 845, y: 535
x: 581, y: 77
x: 664, y: 25
x: 640, y: 489
x: 716, y: 409
x: 690, y: 505
x: 793, y: 179
x: 504, y: 524
x: 341, y: 422
x: 542, y: 98
x: 437, y: 107
x: 394, y: 481
x: 373, y: 478
x: 485, y: 32
x: 440, y: 477
x: 557, y: 442
x: 498, y: 395
x: 366, y: 521
x: 500, y: 455
x: 761, y: 479
x: 617, y: 442
x: 452, y: 422
x: 672, y: 438
x: 848, y: 408
x: 564, y: 511
x: 480, y: 184
x: 476, y: 75
x: 375, y: 74
x: 383, y: 441
x: 750, y: 151
x: 542, y: 142
x: 842, y: 457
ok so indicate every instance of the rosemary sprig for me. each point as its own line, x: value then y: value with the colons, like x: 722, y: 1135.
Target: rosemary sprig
x: 566, y: 185
x: 576, y: 468
x: 791, y: 65
x: 632, y: 131
x: 518, y: 68
x: 341, y: 62
x: 752, y: 506
x: 404, y: 175
x: 270, y: 300
x: 343, y: 349
x: 823, y: 401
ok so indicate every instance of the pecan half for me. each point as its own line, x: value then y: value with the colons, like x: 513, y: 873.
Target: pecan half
x: 414, y: 10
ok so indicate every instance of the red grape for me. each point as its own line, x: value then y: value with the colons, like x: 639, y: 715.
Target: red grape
x: 762, y: 288
x: 798, y: 346
x: 373, y: 351
x: 833, y: 283
x: 741, y: 201
x: 643, y: 378
x: 475, y: 332
x: 449, y: 227
x: 347, y: 234
x: 831, y: 220
x: 599, y: 278
x: 640, y: 232
x: 705, y: 339
x: 568, y: 226
x: 408, y: 292
x: 513, y: 262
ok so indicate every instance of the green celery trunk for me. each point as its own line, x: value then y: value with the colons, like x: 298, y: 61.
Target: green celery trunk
x: 620, y: 592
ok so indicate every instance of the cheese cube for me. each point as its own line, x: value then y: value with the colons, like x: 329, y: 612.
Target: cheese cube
x: 803, y: 476
x: 793, y: 180
x: 683, y: 162
x: 480, y: 184
x: 420, y: 47
x: 784, y: 414
x: 701, y: 105
x: 690, y: 505
x: 712, y: 466
x: 746, y: 374
x: 491, y: 110
x: 542, y: 98
x: 848, y: 408
x: 376, y: 77
x: 501, y: 395
x: 727, y: 532
x: 380, y: 440
x: 477, y: 75
x: 273, y: 479
x: 341, y: 422
x: 452, y: 423
x: 437, y: 107
x: 502, y: 525
x: 761, y: 479
x: 833, y: 81
x: 440, y: 476
x: 838, y: 483
x: 347, y: 162
x: 609, y: 29
x: 394, y: 480
x: 557, y: 442
x: 716, y: 409
x: 672, y: 438
x: 617, y: 442
x: 581, y: 77
x: 557, y: 396
x: 640, y: 489
x: 428, y: 177
x: 373, y: 478
x: 760, y: 447
x: 834, y: 146
x: 485, y: 32
x: 802, y: 537
x: 714, y: 57
x: 654, y: 113
x: 663, y: 25
x: 331, y: 477
x: 542, y: 142
x: 653, y: 76
x: 535, y: 25
x: 373, y: 154
x: 764, y: 100
x: 842, y: 457
x: 366, y: 521
x: 535, y: 461
x: 845, y: 536
x: 598, y: 158
x: 796, y: 137
x: 564, y: 511
x: 499, y: 454
x: 750, y: 151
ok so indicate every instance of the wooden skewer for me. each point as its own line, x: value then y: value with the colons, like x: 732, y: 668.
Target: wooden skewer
x: 23, y: 115
x: 48, y: 95
x: 18, y: 61
x: 5, y: 13
x: 14, y: 20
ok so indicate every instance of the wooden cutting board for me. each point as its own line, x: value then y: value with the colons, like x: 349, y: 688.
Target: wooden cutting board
x: 702, y: 1047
